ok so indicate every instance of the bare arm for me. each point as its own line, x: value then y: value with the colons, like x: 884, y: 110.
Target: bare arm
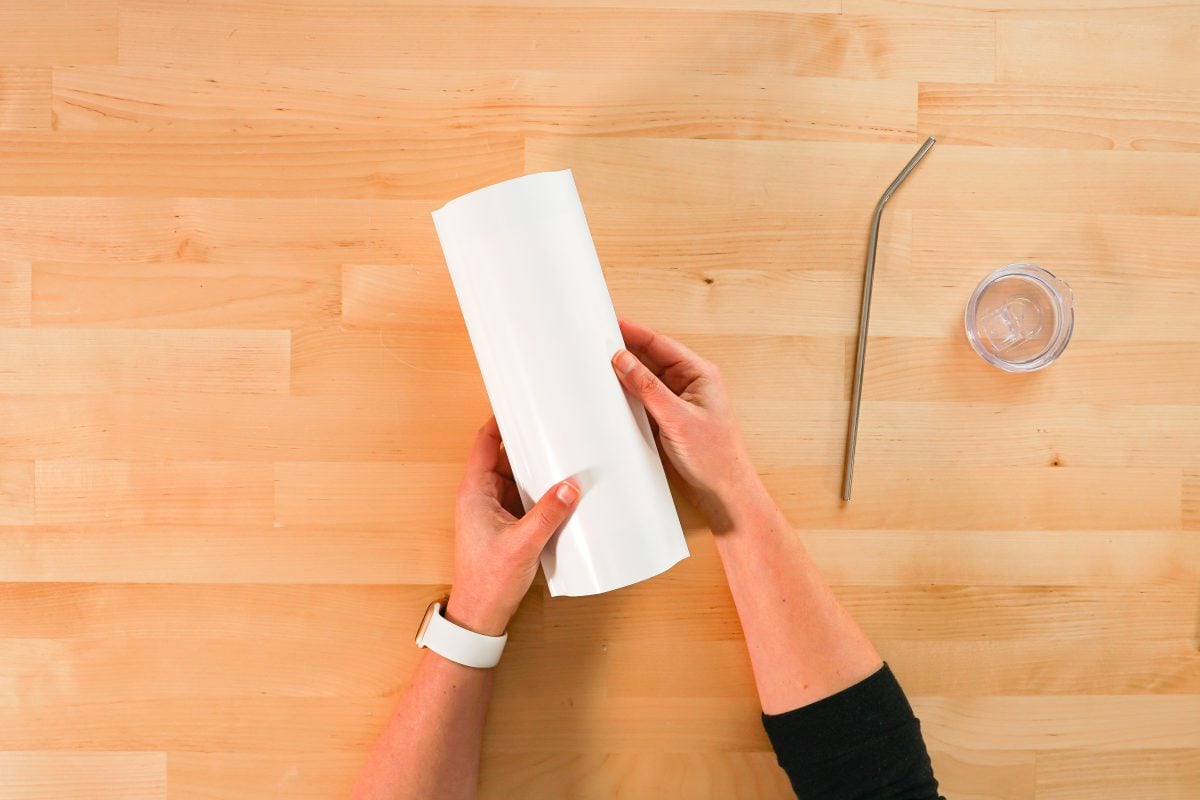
x: 431, y: 745
x: 837, y: 718
x: 803, y: 644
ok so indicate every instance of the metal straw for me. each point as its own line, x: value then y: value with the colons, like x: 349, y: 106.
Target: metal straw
x: 865, y: 316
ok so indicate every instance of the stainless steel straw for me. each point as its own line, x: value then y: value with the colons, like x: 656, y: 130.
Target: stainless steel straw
x: 865, y: 315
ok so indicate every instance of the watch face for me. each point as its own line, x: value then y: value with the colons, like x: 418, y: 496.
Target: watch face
x: 429, y: 612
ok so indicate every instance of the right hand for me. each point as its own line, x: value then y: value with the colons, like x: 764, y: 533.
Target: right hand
x: 687, y: 398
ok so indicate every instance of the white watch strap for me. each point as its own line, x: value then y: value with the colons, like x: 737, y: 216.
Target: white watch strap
x: 459, y: 644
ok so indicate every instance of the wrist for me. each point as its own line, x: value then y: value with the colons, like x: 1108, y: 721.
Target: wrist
x: 736, y: 502
x: 475, y: 615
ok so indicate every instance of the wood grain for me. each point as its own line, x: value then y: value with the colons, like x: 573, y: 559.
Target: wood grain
x: 1174, y: 774
x: 987, y: 774
x: 24, y: 98
x: 42, y: 33
x: 118, y: 493
x: 258, y: 165
x: 105, y: 230
x: 259, y: 294
x: 351, y: 35
x: 47, y: 361
x: 16, y: 492
x: 103, y: 776
x: 421, y: 103
x: 16, y: 293
x: 758, y: 173
x: 1066, y: 722
x: 236, y: 390
x: 1138, y: 51
x: 584, y: 776
x: 245, y: 776
x: 1072, y: 116
x: 1003, y: 9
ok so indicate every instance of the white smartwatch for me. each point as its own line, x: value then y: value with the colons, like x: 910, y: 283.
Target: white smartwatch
x: 456, y: 643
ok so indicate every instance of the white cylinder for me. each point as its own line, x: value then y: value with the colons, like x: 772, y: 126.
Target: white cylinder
x: 543, y: 328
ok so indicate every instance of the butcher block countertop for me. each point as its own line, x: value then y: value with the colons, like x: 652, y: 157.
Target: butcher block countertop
x: 236, y: 392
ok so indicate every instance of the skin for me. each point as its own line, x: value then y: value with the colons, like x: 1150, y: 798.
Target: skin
x: 431, y: 744
x: 802, y: 642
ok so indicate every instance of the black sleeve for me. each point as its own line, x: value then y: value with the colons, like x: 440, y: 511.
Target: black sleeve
x: 863, y: 743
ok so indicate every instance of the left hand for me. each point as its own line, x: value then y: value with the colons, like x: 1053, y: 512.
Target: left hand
x: 496, y: 549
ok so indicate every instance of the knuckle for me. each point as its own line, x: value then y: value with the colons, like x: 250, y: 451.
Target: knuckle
x: 645, y: 382
x: 547, y: 518
x: 511, y: 553
x: 679, y: 427
x: 544, y: 516
x: 685, y: 424
x: 524, y: 549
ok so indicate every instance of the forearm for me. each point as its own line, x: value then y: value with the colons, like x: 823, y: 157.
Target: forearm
x: 803, y: 644
x: 432, y: 742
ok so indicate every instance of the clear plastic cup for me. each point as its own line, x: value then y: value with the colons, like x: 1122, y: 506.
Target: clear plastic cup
x: 1020, y: 317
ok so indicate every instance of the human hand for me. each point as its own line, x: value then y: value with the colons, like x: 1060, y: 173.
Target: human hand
x: 496, y: 549
x: 686, y: 396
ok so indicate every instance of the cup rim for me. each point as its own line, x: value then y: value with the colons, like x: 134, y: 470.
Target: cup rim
x: 1061, y: 295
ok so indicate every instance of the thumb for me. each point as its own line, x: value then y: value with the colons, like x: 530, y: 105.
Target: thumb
x: 549, y: 514
x: 660, y: 401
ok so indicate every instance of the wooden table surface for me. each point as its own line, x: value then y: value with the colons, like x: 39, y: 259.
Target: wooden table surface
x: 236, y: 391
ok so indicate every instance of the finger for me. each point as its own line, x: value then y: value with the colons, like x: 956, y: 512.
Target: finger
x: 484, y: 457
x: 510, y: 498
x: 503, y: 465
x: 662, y: 403
x: 661, y: 351
x: 548, y: 515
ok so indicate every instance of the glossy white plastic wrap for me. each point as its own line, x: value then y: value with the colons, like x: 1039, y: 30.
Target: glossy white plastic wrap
x: 543, y: 328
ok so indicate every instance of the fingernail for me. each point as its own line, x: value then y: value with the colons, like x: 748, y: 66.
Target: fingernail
x: 567, y: 493
x: 625, y: 361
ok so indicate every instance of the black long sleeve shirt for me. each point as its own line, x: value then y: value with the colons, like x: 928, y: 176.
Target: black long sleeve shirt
x: 863, y: 743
